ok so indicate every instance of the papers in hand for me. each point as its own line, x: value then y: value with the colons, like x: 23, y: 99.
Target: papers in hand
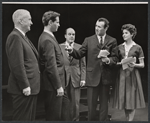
x: 103, y: 53
x: 126, y: 61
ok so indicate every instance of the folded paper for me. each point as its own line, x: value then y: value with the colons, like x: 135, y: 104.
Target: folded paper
x: 103, y: 53
x: 126, y: 61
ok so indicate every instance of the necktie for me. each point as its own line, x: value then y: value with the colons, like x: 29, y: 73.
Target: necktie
x: 101, y: 40
x: 30, y: 43
x: 26, y: 38
x: 70, y: 57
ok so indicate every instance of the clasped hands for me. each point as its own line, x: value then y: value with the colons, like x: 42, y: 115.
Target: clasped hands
x: 103, y: 56
x: 105, y: 60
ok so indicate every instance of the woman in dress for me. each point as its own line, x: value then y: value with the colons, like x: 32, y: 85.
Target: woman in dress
x: 128, y: 90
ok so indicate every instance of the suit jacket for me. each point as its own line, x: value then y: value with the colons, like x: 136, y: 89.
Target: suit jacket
x: 96, y: 69
x: 51, y: 63
x: 23, y: 63
x: 74, y: 68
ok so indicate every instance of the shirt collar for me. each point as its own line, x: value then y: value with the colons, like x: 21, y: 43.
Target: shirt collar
x: 133, y: 43
x: 66, y: 43
x: 20, y: 31
x: 49, y: 32
x: 102, y: 37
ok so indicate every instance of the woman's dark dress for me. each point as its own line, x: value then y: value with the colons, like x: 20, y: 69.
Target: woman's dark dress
x: 128, y: 90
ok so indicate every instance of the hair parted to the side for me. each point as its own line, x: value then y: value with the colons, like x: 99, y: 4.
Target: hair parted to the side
x: 105, y: 21
x: 131, y: 28
x: 49, y: 15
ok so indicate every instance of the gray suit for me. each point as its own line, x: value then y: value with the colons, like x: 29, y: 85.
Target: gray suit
x: 75, y: 72
x: 52, y: 75
x: 98, y: 74
x: 24, y: 72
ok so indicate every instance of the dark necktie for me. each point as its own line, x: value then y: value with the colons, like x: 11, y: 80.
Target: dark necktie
x: 70, y: 57
x: 101, y: 40
x: 30, y: 43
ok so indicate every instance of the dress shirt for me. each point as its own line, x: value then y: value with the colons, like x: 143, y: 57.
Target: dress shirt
x: 127, y: 48
x: 49, y: 32
x: 103, y: 38
x: 20, y: 31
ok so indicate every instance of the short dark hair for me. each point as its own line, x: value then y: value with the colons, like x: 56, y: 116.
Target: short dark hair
x: 50, y: 15
x: 131, y: 28
x: 105, y: 21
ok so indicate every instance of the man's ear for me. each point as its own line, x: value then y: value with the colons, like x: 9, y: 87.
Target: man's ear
x: 20, y: 21
x: 50, y: 22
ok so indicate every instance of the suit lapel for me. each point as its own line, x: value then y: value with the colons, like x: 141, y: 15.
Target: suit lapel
x: 105, y: 41
x: 32, y: 46
x: 96, y: 41
x: 64, y: 51
x: 29, y: 43
x: 54, y: 39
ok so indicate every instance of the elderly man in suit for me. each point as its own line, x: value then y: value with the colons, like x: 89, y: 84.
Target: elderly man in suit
x: 99, y: 70
x: 24, y: 79
x: 75, y: 74
x: 52, y: 67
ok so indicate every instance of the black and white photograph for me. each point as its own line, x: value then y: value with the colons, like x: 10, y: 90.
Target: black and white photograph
x: 74, y: 61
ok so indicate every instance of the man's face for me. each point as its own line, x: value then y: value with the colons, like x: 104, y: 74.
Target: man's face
x: 26, y: 23
x: 70, y: 35
x: 99, y: 28
x: 55, y: 25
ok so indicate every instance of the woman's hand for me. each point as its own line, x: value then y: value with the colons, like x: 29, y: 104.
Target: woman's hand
x: 132, y: 65
x: 119, y: 63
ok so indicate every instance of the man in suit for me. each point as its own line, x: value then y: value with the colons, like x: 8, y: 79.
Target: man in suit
x: 24, y: 79
x: 51, y: 66
x: 75, y: 74
x: 99, y: 70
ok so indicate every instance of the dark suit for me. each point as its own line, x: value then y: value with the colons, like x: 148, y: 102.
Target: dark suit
x: 24, y: 72
x: 53, y: 74
x: 99, y: 74
x: 75, y: 72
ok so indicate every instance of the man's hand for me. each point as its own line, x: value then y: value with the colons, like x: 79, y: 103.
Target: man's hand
x: 27, y: 91
x: 60, y: 91
x: 69, y: 49
x: 82, y: 83
x: 106, y: 60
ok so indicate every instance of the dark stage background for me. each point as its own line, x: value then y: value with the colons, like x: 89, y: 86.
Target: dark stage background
x: 81, y: 17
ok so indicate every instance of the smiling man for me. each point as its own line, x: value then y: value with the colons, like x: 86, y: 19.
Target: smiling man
x: 99, y: 70
x: 24, y: 79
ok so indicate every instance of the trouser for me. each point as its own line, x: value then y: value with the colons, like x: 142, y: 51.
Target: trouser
x: 53, y: 106
x: 93, y: 93
x: 24, y: 107
x: 74, y: 97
